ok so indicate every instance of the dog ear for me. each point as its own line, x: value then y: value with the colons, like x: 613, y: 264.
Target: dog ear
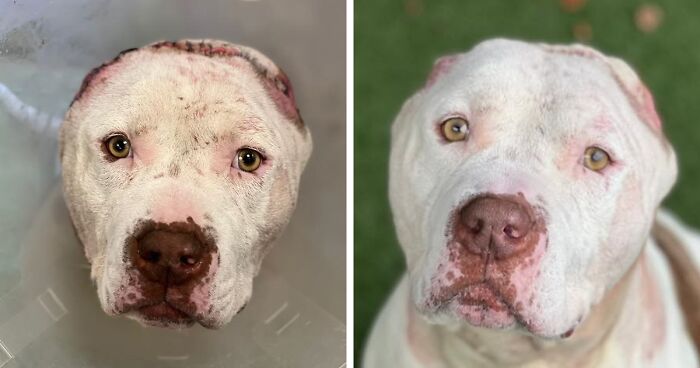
x: 441, y: 66
x: 280, y: 89
x: 96, y: 74
x: 661, y: 178
x: 637, y: 93
x: 631, y: 85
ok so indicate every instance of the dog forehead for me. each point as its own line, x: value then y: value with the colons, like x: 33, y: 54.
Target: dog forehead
x: 516, y: 63
x: 529, y: 83
x: 210, y: 71
x: 147, y: 89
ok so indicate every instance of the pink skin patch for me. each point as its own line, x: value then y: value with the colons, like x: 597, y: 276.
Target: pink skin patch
x: 131, y: 295
x: 282, y: 93
x: 99, y: 76
x: 198, y: 302
x: 602, y: 123
x: 144, y: 149
x: 485, y: 289
x: 175, y: 204
x: 440, y: 68
x: 481, y: 306
x: 648, y: 108
x: 638, y: 94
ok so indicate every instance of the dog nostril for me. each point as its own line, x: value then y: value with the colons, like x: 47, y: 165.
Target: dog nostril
x: 151, y: 256
x: 512, y: 232
x: 476, y: 225
x: 188, y: 260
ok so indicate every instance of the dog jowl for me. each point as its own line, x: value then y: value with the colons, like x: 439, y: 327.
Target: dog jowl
x: 181, y: 164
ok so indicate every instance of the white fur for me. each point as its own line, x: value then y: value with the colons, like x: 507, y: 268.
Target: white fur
x: 146, y: 96
x: 533, y: 109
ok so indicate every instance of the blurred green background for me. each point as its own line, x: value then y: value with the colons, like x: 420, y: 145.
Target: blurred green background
x: 396, y: 42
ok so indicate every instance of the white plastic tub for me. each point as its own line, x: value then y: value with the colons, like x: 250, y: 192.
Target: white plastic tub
x: 49, y: 312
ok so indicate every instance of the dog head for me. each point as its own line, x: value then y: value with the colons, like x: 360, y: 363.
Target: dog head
x: 524, y: 179
x: 181, y: 164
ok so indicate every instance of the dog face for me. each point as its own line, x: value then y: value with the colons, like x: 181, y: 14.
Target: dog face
x: 181, y: 163
x: 524, y: 180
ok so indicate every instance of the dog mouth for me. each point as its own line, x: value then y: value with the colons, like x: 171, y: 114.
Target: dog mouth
x: 482, y: 295
x: 169, y: 279
x: 491, y: 259
x: 480, y: 305
x: 164, y: 313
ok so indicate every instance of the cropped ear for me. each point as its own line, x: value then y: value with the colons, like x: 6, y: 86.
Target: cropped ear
x: 661, y: 176
x: 441, y: 67
x: 280, y: 90
x: 275, y: 81
x: 637, y: 93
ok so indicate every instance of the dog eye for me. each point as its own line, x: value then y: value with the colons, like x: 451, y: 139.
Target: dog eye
x: 249, y: 159
x: 596, y: 158
x: 118, y: 146
x: 455, y: 129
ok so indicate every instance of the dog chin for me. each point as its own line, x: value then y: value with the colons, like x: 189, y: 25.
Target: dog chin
x: 463, y: 312
x: 165, y: 317
x: 485, y: 316
x: 457, y: 313
x: 148, y: 321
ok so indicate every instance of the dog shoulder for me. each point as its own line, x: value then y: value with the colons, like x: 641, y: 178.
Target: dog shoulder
x: 679, y: 245
x: 389, y: 344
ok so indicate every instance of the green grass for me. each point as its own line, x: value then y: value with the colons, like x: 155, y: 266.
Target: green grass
x: 395, y: 48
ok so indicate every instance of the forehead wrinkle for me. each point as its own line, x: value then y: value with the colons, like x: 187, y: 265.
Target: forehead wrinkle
x: 248, y: 126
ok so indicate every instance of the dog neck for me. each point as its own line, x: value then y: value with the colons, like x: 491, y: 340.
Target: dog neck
x: 589, y: 344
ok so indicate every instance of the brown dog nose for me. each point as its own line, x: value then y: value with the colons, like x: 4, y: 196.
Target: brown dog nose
x: 170, y: 257
x: 499, y: 224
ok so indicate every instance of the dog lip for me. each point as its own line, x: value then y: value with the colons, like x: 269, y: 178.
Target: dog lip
x: 164, y: 312
x: 481, y: 293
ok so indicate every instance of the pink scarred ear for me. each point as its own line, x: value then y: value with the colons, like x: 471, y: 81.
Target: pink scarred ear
x: 638, y: 94
x: 441, y: 67
x: 280, y: 89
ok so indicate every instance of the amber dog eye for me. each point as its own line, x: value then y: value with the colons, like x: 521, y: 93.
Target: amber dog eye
x: 455, y: 129
x: 596, y: 158
x: 118, y: 146
x: 249, y: 159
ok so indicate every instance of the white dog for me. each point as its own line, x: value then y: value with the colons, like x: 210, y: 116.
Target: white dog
x: 181, y: 163
x: 524, y: 182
